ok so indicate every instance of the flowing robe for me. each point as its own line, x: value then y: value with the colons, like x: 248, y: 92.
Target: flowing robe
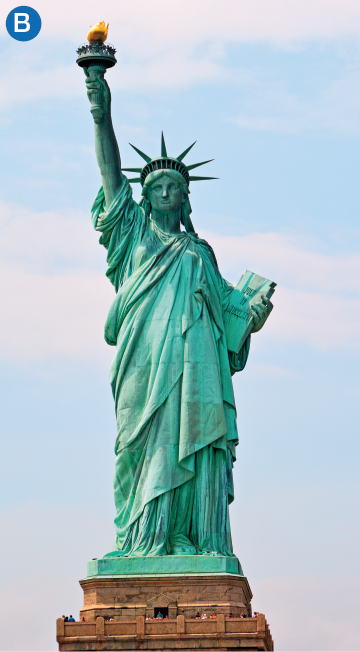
x: 171, y: 381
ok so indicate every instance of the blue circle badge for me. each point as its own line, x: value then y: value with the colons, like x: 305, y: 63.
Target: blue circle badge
x: 23, y: 23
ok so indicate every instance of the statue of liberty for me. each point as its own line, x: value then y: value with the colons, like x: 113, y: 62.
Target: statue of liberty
x: 171, y: 374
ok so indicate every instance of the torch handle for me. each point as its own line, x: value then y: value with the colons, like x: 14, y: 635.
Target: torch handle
x: 96, y: 99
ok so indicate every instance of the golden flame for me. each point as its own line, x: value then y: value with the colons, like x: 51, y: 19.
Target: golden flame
x: 98, y: 32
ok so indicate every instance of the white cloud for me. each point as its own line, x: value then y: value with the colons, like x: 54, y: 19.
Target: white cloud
x: 53, y: 315
x: 176, y: 70
x: 162, y: 48
x: 289, y: 260
x: 153, y: 27
x: 47, y: 241
x: 54, y: 295
x: 24, y: 82
x: 270, y: 371
x: 317, y: 298
x: 157, y: 49
x: 272, y: 107
x: 323, y: 320
x: 265, y: 105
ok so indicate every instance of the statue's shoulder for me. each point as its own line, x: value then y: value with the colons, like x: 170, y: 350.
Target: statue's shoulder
x: 124, y: 204
x: 207, y: 250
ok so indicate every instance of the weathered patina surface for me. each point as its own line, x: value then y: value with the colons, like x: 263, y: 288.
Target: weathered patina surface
x: 171, y: 374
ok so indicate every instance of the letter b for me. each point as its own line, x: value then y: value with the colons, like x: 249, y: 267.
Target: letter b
x: 19, y: 21
x: 23, y: 23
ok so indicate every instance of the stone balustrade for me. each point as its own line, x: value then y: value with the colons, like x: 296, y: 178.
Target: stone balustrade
x: 170, y: 634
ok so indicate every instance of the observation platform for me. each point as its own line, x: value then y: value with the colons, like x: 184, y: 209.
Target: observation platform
x: 132, y: 601
x: 173, y: 634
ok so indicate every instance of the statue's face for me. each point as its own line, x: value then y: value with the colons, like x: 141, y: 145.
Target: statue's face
x: 166, y: 195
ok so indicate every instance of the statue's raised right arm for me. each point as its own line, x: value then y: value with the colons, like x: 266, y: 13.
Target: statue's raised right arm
x: 106, y: 147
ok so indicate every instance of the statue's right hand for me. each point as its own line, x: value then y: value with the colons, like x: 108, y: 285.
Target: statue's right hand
x: 93, y: 87
x: 96, y: 85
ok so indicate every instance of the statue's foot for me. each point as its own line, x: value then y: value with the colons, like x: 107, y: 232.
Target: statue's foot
x: 183, y: 550
x: 181, y: 545
x: 115, y: 553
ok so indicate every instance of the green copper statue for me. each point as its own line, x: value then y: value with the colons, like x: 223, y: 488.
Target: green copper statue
x: 171, y: 374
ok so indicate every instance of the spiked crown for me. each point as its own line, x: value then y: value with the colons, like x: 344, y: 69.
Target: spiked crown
x: 165, y: 162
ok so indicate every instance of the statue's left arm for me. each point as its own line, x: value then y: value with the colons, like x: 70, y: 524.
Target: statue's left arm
x: 260, y: 313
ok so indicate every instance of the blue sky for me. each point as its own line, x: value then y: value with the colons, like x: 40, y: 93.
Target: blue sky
x: 271, y: 90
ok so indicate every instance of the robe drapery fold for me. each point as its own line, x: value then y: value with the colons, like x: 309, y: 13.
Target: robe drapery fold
x: 171, y: 381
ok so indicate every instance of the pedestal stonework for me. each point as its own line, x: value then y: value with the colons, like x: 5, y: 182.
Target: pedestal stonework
x: 130, y: 598
x: 123, y: 598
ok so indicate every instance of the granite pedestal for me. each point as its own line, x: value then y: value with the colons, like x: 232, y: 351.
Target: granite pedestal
x: 114, y: 588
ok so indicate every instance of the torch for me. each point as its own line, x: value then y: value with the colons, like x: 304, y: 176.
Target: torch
x: 95, y: 57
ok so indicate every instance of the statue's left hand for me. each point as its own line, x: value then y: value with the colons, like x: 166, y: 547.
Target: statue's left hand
x: 260, y: 312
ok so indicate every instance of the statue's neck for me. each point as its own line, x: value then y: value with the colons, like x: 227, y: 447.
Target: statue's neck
x: 167, y: 222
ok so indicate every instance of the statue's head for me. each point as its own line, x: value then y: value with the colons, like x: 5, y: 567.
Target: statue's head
x: 166, y: 191
x: 165, y: 183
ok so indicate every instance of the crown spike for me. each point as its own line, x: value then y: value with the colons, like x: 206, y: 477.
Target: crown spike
x: 137, y: 180
x: 163, y: 146
x: 144, y: 156
x: 180, y: 158
x: 196, y: 165
x: 131, y: 169
x: 201, y: 178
